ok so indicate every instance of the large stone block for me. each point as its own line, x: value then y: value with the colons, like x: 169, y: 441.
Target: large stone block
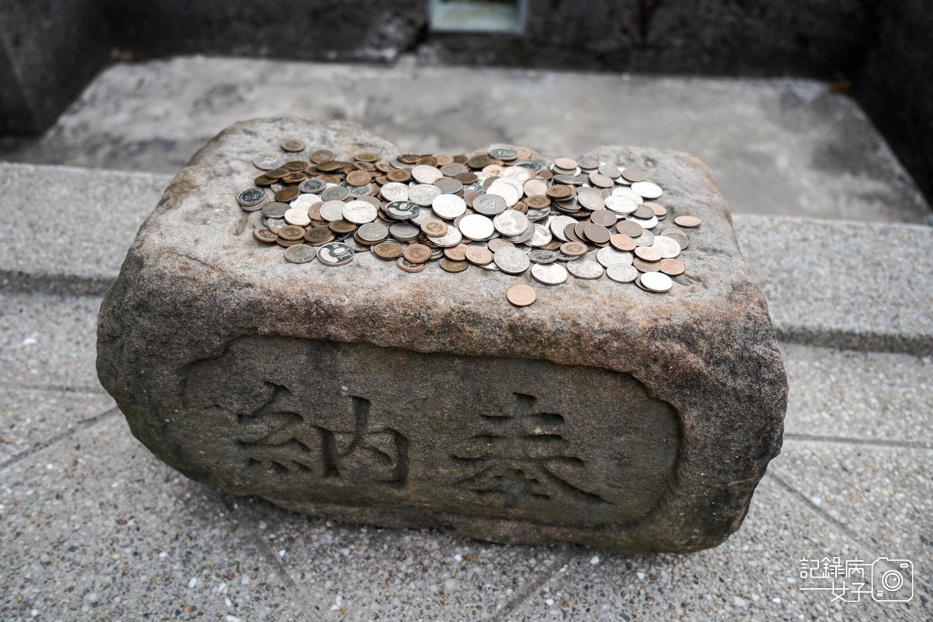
x: 602, y: 414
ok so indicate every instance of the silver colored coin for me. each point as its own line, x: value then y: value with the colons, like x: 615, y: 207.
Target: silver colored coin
x: 334, y: 254
x: 509, y: 189
x: 511, y: 260
x: 448, y: 186
x: 609, y: 256
x: 268, y: 161
x: 359, y: 212
x: 304, y: 201
x: 404, y: 232
x: 667, y: 246
x: 542, y: 256
x: 646, y: 223
x: 361, y: 191
x: 356, y: 246
x: 621, y: 205
x: 423, y: 195
x: 622, y: 273
x: 503, y: 153
x: 647, y: 190
x: 274, y: 224
x: 449, y: 239
x: 535, y: 164
x: 394, y: 191
x: 277, y: 186
x: 454, y: 168
x: 335, y: 193
x: 571, y: 180
x: 298, y: 217
x: 426, y: 174
x: 591, y: 200
x: 476, y: 227
x: 402, y: 210
x: 550, y: 273
x: 645, y: 239
x: 300, y: 253
x: 535, y: 215
x: 558, y: 224
x: 656, y: 282
x: 251, y: 197
x: 609, y: 170
x: 332, y: 210
x: 540, y: 236
x: 314, y: 185
x: 425, y: 214
x: 516, y: 173
x: 489, y: 204
x: 624, y: 191
x: 511, y: 223
x: 523, y: 238
x: 373, y: 232
x: 275, y: 210
x: 585, y: 268
x: 437, y: 253
x: 448, y: 206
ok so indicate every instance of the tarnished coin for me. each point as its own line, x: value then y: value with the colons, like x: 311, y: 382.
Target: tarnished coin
x: 647, y: 189
x: 476, y: 227
x: 448, y: 206
x: 275, y: 210
x: 404, y: 232
x: 629, y: 228
x: 417, y: 253
x: 521, y: 295
x: 342, y: 226
x: 672, y: 267
x: 298, y: 217
x: 359, y: 178
x: 318, y: 235
x: 540, y: 255
x: 456, y: 253
x: 387, y: 250
x: 633, y: 174
x: 656, y: 282
x: 300, y: 253
x: 291, y: 232
x: 687, y: 221
x: 573, y: 249
x: 409, y: 266
x: 603, y: 217
x: 373, y: 232
x: 667, y: 246
x: 643, y: 213
x: 596, y: 234
x: 292, y: 145
x: 601, y: 181
x: 511, y: 260
x: 434, y: 228
x: 511, y: 223
x: 251, y: 199
x: 275, y: 224
x: 359, y: 212
x: 496, y: 243
x: 335, y: 193
x: 622, y: 273
x: 648, y: 253
x: 479, y: 255
x: 399, y: 175
x: 450, y: 265
x: 448, y: 185
x: 359, y: 192
x: 560, y: 192
x: 322, y: 155
x: 426, y: 174
x: 489, y: 204
x: 646, y: 266
x: 609, y: 256
x: 451, y: 238
x: 585, y: 268
x: 332, y: 210
x: 313, y: 185
x: 609, y: 170
x: 503, y: 153
x: 267, y: 161
x: 549, y: 273
x: 622, y: 242
x: 402, y: 210
x: 264, y: 234
x: 423, y: 195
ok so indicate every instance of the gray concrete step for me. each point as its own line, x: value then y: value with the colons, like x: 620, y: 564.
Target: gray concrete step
x: 779, y: 147
x: 832, y: 283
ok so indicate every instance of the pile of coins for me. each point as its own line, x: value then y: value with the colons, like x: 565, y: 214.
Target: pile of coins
x: 505, y: 210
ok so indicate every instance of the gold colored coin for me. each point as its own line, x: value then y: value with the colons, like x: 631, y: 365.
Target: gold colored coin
x: 417, y: 253
x: 366, y: 157
x: 359, y: 178
x: 287, y: 195
x: 399, y: 175
x: 573, y: 249
x: 449, y: 265
x: 291, y: 232
x: 559, y: 192
x: 264, y: 235
x: 434, y: 228
x: 387, y: 250
x: 293, y: 145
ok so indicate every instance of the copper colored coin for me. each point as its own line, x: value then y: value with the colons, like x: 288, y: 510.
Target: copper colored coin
x: 277, y: 173
x: 521, y: 295
x: 629, y: 228
x: 295, y: 178
x: 646, y: 266
x: 687, y: 221
x: 322, y: 155
x: 672, y: 267
x: 341, y: 226
x: 293, y: 145
x: 597, y: 234
x: 286, y: 243
x: 648, y: 253
x: 291, y: 232
x: 679, y: 236
x: 568, y: 164
x: 264, y: 235
x: 579, y: 229
x: 466, y: 178
x: 399, y: 175
x: 603, y: 217
x: 286, y: 195
x: 633, y: 174
x: 622, y: 242
x: 417, y: 253
x: 359, y: 178
x: 538, y: 201
x: 262, y: 180
x: 478, y: 255
x: 523, y: 153
x: 570, y: 232
x: 479, y: 161
x: 659, y: 210
x: 497, y: 243
x: 559, y: 191
x: 443, y: 159
x: 449, y: 265
x: 387, y: 250
x: 366, y: 157
x: 456, y: 253
x: 330, y: 166
x: 573, y: 249
x: 314, y: 212
x: 553, y: 245
x: 434, y: 228
x: 295, y: 165
x: 408, y: 266
x: 319, y: 235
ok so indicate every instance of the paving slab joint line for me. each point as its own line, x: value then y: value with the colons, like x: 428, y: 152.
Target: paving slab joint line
x: 880, y: 442
x: 256, y: 541
x: 927, y: 588
x: 533, y: 586
x: 55, y: 284
x: 52, y: 387
x: 82, y: 425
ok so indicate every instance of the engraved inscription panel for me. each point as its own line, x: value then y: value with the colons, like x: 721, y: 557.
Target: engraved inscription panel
x: 362, y: 425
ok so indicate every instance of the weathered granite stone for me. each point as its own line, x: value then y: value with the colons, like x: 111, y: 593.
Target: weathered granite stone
x: 602, y: 414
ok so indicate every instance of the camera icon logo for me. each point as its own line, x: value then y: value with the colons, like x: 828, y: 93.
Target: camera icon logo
x: 892, y: 580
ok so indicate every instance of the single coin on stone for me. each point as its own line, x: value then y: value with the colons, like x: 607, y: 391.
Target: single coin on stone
x: 687, y: 221
x: 292, y: 145
x: 521, y: 295
x: 300, y: 253
x: 549, y: 273
x: 656, y: 282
